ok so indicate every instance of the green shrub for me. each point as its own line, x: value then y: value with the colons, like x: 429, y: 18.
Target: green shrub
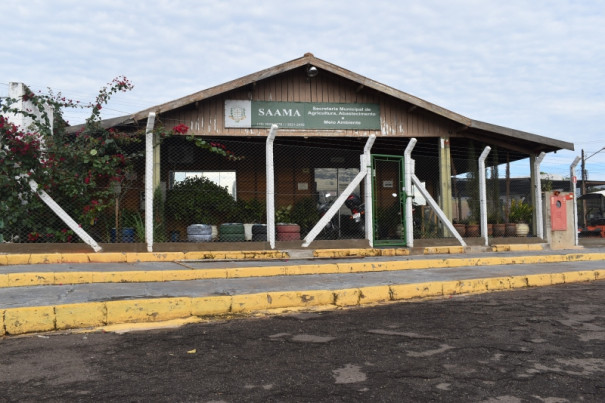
x: 251, y: 211
x: 200, y: 201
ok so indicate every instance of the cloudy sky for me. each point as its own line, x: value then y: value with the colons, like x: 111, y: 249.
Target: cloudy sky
x: 536, y: 66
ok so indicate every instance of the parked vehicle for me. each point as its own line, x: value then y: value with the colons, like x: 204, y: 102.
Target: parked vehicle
x: 343, y: 226
x: 358, y: 211
x: 332, y: 229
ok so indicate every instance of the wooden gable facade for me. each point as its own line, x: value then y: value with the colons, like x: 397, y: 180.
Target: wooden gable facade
x: 402, y: 117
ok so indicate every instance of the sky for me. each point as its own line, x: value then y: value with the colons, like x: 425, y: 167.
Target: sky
x: 536, y: 66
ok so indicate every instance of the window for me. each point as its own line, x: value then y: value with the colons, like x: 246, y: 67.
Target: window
x: 226, y: 179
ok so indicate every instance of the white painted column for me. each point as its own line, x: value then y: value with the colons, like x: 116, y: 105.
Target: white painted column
x: 366, y: 162
x: 270, y: 186
x: 409, y: 171
x: 539, y: 220
x: 572, y: 182
x: 149, y: 180
x: 483, y: 194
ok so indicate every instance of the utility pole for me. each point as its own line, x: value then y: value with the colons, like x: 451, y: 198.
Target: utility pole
x: 583, y: 189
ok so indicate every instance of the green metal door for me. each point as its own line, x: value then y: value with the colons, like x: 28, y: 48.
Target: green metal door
x: 388, y: 200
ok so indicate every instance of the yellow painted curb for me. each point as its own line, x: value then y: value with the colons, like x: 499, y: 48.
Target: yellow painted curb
x: 124, y: 257
x: 30, y: 279
x: 45, y: 258
x: 435, y: 250
x: 579, y: 276
x: 77, y: 316
x: 79, y: 277
x: 147, y: 310
x: 111, y: 257
x: 75, y: 258
x: 347, y: 297
x: 29, y: 319
x: 2, y: 329
x: 133, y: 276
x: 375, y: 294
x: 154, y: 257
x: 304, y: 299
x: 250, y: 302
x: 202, y: 306
x: 93, y: 314
x: 517, y: 247
x: 419, y: 290
x: 18, y: 258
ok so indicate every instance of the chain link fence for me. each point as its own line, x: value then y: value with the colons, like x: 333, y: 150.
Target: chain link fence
x: 217, y: 193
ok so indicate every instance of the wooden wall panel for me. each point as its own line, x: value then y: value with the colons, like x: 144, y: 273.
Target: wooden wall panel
x: 397, y: 117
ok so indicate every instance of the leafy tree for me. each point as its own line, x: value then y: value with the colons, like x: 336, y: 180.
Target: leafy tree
x: 78, y: 170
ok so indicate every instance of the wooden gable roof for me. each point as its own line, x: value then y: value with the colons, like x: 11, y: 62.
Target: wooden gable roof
x: 472, y: 129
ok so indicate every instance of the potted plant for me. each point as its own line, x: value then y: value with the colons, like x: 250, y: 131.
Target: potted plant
x: 460, y: 227
x: 521, y: 214
x: 250, y: 212
x: 499, y: 228
x: 472, y: 227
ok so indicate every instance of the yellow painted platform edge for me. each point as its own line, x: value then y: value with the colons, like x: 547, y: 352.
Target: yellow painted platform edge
x: 22, y: 279
x: 47, y: 318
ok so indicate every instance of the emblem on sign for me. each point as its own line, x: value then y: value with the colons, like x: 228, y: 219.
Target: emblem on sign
x: 237, y: 113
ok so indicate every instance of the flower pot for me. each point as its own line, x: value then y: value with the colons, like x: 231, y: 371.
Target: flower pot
x: 499, y: 229
x: 199, y: 233
x: 287, y: 232
x: 248, y: 231
x: 522, y: 229
x: 127, y: 235
x: 472, y: 230
x: 510, y: 229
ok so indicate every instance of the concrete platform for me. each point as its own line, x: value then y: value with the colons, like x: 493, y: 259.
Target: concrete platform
x: 60, y: 291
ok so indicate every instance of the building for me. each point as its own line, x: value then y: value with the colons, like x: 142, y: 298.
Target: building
x: 325, y: 115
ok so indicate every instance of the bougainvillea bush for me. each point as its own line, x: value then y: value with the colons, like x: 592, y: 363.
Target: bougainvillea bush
x: 79, y: 170
x: 87, y: 172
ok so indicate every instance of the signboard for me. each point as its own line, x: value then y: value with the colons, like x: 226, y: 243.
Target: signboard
x: 301, y: 115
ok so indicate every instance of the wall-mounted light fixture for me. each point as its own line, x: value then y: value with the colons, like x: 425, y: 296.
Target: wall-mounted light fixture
x: 312, y: 71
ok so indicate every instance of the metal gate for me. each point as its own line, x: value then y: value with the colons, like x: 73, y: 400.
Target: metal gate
x: 388, y: 200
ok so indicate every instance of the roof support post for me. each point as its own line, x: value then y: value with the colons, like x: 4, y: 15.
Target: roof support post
x: 149, y: 181
x: 445, y: 177
x: 572, y: 183
x: 537, y: 194
x: 482, y: 194
x: 270, y: 167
